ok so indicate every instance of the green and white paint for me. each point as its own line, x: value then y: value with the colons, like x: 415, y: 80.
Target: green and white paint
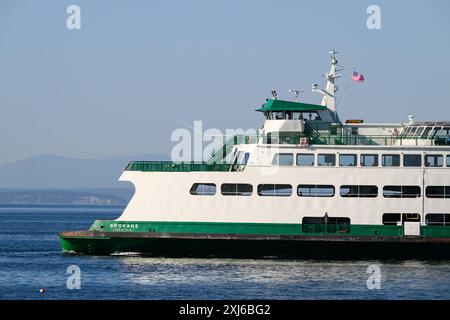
x: 163, y: 203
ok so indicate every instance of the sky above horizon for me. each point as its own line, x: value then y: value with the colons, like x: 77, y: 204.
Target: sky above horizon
x: 137, y: 70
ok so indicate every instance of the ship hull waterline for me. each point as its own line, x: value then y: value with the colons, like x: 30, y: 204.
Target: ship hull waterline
x: 254, y: 245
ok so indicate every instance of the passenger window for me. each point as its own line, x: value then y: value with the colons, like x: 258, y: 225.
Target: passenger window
x: 281, y: 190
x: 347, y: 160
x: 434, y: 160
x: 236, y: 189
x: 390, y: 160
x: 326, y: 159
x: 410, y: 217
x: 283, y: 159
x: 203, y: 189
x: 356, y: 191
x: 308, y: 190
x: 305, y: 159
x: 392, y: 219
x: 412, y: 160
x: 398, y: 218
x: 369, y: 160
x: 401, y: 192
x: 438, y: 219
x: 438, y: 192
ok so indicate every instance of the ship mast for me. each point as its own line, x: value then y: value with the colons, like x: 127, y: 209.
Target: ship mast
x: 329, y: 99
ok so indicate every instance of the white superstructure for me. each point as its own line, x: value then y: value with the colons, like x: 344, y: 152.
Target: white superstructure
x: 306, y: 164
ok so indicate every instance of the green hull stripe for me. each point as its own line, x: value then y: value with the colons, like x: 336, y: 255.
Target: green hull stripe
x: 261, y: 228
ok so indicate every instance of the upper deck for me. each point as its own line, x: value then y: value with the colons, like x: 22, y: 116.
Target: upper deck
x: 302, y: 125
x: 170, y: 166
x: 233, y: 155
x: 416, y: 134
x: 292, y: 122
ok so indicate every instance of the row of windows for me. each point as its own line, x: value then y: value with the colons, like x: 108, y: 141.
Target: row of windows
x: 289, y: 115
x: 311, y: 190
x: 438, y: 192
x: 398, y: 218
x: 426, y: 132
x: 365, y: 160
x: 342, y: 224
x: 438, y: 219
x: 431, y: 219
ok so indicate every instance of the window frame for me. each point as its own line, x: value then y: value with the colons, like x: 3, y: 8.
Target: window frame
x: 397, y: 155
x: 259, y: 192
x: 417, y: 155
x: 444, y: 195
x: 324, y: 155
x: 391, y: 222
x: 276, y: 159
x: 359, y: 194
x: 316, y: 194
x: 434, y: 156
x: 376, y: 157
x: 445, y: 219
x: 305, y: 154
x: 236, y: 192
x: 353, y: 155
x: 401, y: 194
x: 195, y: 193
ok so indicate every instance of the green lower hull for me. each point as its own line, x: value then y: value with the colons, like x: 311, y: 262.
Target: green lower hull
x: 258, y: 240
x: 261, y: 228
x: 250, y: 246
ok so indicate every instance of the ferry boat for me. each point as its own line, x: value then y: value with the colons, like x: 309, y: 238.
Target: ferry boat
x: 306, y: 186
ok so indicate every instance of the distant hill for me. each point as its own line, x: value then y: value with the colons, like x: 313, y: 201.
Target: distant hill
x: 65, y: 196
x: 50, y: 172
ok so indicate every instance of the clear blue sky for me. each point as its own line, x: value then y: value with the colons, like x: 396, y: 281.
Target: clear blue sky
x: 115, y: 86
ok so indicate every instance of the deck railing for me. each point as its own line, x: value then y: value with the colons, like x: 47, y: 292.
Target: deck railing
x: 295, y: 138
x: 327, y: 133
x: 169, y: 166
x: 382, y: 140
x: 319, y: 138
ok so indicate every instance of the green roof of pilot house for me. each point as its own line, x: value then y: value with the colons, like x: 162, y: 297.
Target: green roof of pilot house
x: 282, y: 105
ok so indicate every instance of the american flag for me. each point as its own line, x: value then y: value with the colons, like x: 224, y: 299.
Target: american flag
x: 358, y: 77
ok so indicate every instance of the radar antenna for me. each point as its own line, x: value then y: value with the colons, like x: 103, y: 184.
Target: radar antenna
x: 296, y: 93
x: 328, y: 93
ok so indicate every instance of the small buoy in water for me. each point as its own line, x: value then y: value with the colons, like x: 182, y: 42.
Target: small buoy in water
x: 42, y: 290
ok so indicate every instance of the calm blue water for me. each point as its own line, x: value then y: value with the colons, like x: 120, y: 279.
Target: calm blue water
x: 30, y: 259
